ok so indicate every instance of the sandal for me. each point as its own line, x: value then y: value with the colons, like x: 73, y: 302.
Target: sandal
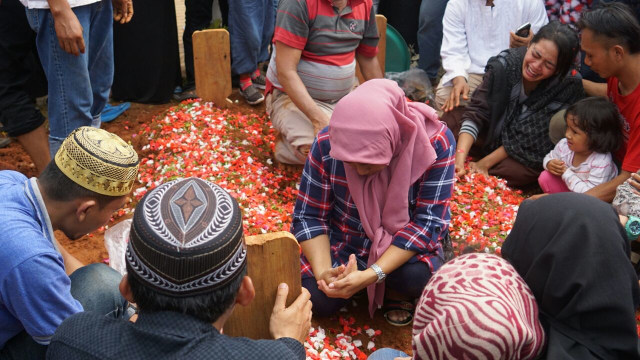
x: 398, y: 305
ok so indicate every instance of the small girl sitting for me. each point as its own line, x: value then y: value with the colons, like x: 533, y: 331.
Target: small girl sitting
x: 582, y: 160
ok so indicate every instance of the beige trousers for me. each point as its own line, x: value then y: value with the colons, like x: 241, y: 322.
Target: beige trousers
x: 296, y: 130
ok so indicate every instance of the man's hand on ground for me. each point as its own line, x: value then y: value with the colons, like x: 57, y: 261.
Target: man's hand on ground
x: 69, y: 31
x: 293, y: 321
x: 122, y: 11
x: 460, y: 88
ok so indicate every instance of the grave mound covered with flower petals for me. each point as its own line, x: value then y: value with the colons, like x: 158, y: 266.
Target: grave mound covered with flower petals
x: 235, y: 151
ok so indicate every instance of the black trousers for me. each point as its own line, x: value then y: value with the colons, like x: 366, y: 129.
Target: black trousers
x: 198, y: 17
x: 21, y: 75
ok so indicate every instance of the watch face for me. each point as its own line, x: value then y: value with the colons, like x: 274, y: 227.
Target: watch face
x: 634, y: 227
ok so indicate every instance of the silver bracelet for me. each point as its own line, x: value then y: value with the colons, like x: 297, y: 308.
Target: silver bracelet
x: 379, y: 273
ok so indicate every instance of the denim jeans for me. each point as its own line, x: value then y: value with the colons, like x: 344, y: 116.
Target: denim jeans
x: 78, y: 85
x: 386, y: 354
x: 430, y: 35
x: 95, y: 286
x: 251, y: 25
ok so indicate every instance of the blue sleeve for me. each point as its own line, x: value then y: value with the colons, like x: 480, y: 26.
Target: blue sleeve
x: 38, y: 293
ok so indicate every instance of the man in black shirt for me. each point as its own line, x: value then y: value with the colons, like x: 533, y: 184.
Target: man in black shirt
x: 186, y: 267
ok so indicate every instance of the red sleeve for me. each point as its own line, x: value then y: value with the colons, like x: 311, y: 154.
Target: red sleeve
x: 369, y: 43
x: 631, y: 162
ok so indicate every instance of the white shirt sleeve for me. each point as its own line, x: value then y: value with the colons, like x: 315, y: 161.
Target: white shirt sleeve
x: 557, y: 153
x: 454, y: 50
x: 601, y: 169
x: 537, y: 15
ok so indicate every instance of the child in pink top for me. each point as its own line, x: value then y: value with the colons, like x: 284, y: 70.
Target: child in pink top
x: 583, y: 159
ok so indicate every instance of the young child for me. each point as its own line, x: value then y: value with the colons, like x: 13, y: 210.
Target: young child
x: 582, y: 159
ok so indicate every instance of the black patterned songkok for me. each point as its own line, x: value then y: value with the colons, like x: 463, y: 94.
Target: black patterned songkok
x: 186, y: 238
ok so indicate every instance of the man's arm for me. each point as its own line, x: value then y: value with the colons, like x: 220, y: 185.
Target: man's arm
x: 454, y: 50
x: 287, y: 60
x: 38, y: 293
x: 67, y: 26
x: 71, y: 263
x: 594, y: 88
x: 607, y: 191
x: 369, y: 67
x: 122, y: 11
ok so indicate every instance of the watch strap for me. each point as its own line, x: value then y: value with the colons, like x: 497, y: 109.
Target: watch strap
x: 631, y: 235
x: 378, y: 270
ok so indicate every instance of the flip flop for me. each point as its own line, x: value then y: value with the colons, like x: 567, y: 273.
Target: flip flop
x: 4, y: 142
x: 398, y: 305
x: 110, y: 112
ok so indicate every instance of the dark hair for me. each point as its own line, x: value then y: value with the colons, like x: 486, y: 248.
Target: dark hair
x: 206, y: 307
x: 599, y: 118
x: 59, y: 187
x: 566, y: 40
x: 614, y: 21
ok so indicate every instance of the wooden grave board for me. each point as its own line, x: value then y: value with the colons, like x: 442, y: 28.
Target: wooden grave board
x: 212, y: 65
x: 273, y: 258
x: 381, y: 22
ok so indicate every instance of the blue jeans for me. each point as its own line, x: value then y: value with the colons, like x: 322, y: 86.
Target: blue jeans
x: 251, y: 25
x: 95, y: 286
x: 386, y: 354
x: 78, y: 85
x: 430, y: 35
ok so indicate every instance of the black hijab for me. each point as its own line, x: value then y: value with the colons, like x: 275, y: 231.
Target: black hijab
x: 573, y: 253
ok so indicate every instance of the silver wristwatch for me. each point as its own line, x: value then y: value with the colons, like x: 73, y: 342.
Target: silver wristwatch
x: 381, y: 275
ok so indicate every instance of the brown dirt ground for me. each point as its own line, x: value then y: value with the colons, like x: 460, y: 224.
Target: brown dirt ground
x: 90, y: 248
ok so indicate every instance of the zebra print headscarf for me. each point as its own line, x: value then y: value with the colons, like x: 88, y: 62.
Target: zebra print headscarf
x: 477, y: 307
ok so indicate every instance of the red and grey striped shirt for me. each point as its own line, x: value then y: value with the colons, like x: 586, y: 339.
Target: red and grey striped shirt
x: 329, y: 41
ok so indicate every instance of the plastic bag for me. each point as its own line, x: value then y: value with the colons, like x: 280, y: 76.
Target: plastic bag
x: 116, y: 239
x: 416, y: 85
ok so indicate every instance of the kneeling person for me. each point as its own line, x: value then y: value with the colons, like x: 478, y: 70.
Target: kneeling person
x: 186, y: 265
x: 41, y: 284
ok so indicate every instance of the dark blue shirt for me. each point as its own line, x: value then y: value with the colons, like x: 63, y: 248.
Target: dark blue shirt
x: 159, y: 335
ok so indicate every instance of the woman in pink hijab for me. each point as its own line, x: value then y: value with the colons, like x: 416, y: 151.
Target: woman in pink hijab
x: 373, y: 205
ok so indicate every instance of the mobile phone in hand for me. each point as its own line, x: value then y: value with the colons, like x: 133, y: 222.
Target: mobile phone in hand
x: 523, y: 31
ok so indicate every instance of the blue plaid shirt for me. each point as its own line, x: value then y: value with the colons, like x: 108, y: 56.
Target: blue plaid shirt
x: 325, y: 206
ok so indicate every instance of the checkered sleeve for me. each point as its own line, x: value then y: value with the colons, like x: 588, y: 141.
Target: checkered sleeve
x: 432, y: 214
x: 315, y: 197
x: 369, y: 43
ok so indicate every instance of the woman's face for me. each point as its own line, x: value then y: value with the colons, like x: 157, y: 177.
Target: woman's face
x: 366, y: 169
x: 540, y: 61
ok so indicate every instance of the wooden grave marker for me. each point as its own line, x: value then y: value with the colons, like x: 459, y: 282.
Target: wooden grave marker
x: 273, y: 258
x: 212, y: 65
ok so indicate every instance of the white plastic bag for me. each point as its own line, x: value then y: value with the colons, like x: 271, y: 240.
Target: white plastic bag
x: 116, y: 239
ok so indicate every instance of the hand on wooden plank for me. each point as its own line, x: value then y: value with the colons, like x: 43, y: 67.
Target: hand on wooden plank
x: 293, y: 321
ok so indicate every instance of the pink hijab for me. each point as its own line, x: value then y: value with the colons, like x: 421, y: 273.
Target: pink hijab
x: 375, y: 124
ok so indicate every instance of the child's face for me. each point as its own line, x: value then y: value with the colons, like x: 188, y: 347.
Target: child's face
x: 577, y: 139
